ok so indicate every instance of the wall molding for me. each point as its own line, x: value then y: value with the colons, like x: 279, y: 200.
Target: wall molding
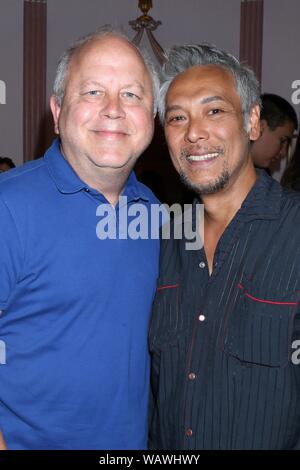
x: 34, y: 77
x: 251, y: 34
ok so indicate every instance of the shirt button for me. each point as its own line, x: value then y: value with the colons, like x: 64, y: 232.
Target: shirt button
x: 189, y: 433
x: 192, y: 376
x: 201, y: 317
x: 202, y: 265
x: 87, y: 190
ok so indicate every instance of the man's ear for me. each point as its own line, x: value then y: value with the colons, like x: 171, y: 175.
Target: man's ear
x: 55, y: 109
x: 263, y: 126
x: 254, y: 123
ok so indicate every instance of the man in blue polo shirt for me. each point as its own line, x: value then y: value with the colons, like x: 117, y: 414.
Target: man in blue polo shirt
x: 74, y: 363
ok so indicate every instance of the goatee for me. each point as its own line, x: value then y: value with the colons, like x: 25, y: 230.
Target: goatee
x: 209, y: 188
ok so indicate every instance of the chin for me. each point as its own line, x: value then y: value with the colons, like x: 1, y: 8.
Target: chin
x: 110, y: 162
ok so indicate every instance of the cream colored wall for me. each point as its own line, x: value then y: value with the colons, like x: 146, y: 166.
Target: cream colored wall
x: 11, y: 73
x: 281, y: 53
x: 281, y: 47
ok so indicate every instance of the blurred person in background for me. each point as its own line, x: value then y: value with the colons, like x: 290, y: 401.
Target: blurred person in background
x: 291, y: 175
x: 6, y: 164
x: 278, y: 122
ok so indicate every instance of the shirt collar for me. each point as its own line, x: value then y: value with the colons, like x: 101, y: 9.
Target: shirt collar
x: 262, y: 202
x: 264, y: 199
x: 134, y: 190
x: 63, y: 175
x: 68, y: 182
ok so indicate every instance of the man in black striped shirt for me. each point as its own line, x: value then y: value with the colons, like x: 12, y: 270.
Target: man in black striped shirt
x: 225, y: 331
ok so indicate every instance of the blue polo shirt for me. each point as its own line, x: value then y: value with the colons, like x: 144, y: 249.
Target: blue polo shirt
x: 74, y: 364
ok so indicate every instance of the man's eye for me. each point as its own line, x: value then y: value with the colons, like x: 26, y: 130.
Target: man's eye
x: 175, y: 118
x: 93, y: 93
x: 130, y: 95
x: 214, y: 111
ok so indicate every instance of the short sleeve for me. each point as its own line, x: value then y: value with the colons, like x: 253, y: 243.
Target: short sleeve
x: 11, y: 254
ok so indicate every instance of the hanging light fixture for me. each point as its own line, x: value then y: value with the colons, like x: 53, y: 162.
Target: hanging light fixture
x: 146, y: 23
x: 145, y: 5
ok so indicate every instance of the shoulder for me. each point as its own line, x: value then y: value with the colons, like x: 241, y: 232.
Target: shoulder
x: 20, y: 180
x: 290, y: 204
x: 280, y: 202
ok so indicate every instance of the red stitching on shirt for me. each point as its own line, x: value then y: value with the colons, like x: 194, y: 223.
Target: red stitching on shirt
x: 263, y: 301
x: 168, y: 287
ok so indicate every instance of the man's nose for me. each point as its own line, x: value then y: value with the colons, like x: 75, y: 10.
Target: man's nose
x: 112, y: 107
x: 196, y: 130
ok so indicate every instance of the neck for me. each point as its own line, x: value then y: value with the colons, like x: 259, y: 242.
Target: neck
x: 108, y: 181
x: 108, y: 184
x: 220, y: 208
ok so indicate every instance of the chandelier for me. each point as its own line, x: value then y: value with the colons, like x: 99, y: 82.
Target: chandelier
x: 145, y: 23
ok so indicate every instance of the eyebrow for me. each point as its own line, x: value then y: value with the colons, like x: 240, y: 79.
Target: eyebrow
x: 90, y: 82
x: 175, y: 107
x: 209, y: 99
x: 135, y: 84
x: 129, y: 85
x: 206, y: 100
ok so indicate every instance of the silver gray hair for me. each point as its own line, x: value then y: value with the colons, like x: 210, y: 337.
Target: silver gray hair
x: 181, y: 58
x: 60, y: 79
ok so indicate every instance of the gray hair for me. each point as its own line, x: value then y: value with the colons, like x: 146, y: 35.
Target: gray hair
x: 60, y: 79
x: 181, y: 58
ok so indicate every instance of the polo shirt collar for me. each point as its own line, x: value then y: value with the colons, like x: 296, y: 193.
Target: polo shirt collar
x: 134, y: 190
x: 68, y: 182
x: 63, y: 175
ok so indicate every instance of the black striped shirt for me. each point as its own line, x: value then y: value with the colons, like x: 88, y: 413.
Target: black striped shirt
x: 222, y: 345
